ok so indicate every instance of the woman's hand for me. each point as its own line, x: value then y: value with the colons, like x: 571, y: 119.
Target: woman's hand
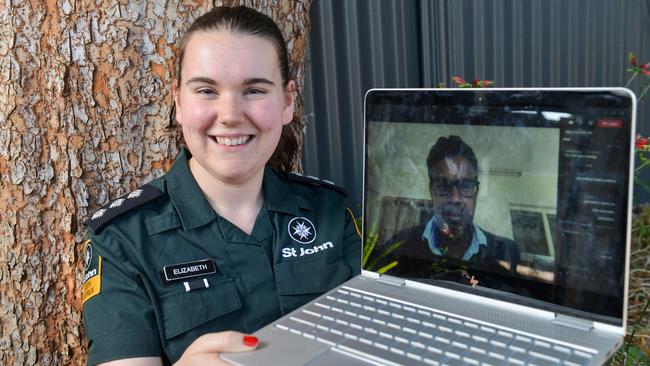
x: 205, y: 349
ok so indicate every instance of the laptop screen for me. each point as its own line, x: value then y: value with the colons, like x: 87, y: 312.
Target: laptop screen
x: 522, y: 195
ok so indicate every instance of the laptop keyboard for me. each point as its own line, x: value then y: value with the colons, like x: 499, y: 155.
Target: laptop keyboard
x: 393, y: 333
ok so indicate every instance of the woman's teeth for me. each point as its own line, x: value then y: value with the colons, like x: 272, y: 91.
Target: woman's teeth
x: 233, y: 141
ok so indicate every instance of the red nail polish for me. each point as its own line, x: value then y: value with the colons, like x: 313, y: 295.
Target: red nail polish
x: 250, y: 341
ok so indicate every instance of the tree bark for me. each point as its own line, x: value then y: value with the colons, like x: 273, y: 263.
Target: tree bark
x: 85, y: 116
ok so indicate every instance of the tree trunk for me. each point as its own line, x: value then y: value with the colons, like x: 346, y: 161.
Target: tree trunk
x: 85, y: 116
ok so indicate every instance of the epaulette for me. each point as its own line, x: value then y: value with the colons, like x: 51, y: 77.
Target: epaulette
x: 316, y: 182
x: 121, y: 205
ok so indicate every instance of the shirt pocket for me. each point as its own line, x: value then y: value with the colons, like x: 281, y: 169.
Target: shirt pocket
x: 310, y: 276
x: 185, y: 311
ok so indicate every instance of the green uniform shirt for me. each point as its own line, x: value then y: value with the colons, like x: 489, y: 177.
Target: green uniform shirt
x: 162, y: 268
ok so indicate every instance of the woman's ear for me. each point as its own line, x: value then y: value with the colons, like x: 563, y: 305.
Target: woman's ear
x: 289, y: 100
x: 177, y: 105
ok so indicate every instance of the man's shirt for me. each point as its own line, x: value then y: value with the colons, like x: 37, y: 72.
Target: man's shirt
x: 408, y: 253
x: 430, y: 235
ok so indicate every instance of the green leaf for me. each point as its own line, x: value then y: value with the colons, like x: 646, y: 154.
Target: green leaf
x: 387, y: 267
x: 640, y: 183
x: 383, y: 255
x: 636, y: 357
x: 368, y: 247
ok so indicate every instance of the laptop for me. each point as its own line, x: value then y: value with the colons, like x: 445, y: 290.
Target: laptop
x: 518, y: 256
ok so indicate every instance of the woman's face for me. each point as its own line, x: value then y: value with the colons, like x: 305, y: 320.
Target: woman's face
x: 231, y: 104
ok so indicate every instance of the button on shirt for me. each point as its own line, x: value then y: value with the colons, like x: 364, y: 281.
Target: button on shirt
x: 429, y: 234
x: 303, y: 243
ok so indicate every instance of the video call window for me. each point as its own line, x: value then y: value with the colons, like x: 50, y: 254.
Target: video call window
x: 517, y: 175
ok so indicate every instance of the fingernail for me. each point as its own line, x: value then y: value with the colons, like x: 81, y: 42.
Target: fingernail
x: 250, y: 341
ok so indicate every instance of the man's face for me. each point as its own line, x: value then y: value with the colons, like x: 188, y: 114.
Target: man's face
x: 453, y: 192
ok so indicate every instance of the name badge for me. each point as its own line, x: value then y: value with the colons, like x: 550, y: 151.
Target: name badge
x: 181, y: 271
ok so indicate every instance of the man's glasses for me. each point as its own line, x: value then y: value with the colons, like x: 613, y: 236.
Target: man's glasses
x: 466, y: 187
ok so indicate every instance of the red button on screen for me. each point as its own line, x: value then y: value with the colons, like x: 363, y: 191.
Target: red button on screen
x: 610, y: 123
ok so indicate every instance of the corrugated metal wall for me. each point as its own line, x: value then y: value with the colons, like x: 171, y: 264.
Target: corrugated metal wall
x: 356, y: 45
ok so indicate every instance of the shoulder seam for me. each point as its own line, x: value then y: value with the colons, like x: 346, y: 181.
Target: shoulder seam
x: 296, y: 177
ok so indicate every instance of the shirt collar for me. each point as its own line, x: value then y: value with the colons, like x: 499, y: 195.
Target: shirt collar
x: 478, y: 239
x: 282, y: 197
x: 192, y: 206
x: 194, y: 209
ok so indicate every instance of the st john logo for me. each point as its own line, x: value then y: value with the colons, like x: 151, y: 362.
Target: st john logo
x: 302, y: 230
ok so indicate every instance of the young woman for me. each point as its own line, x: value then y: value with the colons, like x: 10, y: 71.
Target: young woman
x: 222, y: 243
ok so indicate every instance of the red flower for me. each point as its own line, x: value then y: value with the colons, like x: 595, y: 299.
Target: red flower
x: 477, y: 83
x: 644, y: 68
x: 458, y: 80
x: 641, y: 142
x: 446, y: 231
x: 632, y: 58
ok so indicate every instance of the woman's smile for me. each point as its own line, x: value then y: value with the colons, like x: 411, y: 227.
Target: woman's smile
x: 232, y: 140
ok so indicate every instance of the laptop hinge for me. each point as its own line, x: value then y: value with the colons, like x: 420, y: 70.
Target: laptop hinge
x: 571, y: 322
x: 398, y: 282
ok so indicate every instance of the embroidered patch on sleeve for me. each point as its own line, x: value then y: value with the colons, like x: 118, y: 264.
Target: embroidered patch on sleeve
x: 92, y: 278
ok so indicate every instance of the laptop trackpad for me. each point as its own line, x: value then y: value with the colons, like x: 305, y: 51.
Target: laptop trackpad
x: 332, y: 357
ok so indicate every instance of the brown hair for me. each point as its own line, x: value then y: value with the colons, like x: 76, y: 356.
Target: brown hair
x: 242, y: 19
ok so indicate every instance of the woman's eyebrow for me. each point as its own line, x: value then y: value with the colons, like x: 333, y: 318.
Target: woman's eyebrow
x: 258, y: 81
x: 201, y: 79
x: 210, y: 81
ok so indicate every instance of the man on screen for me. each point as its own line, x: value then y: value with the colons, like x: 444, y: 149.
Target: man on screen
x: 451, y: 231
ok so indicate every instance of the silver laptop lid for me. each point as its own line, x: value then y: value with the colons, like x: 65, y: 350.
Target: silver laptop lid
x: 518, y: 194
